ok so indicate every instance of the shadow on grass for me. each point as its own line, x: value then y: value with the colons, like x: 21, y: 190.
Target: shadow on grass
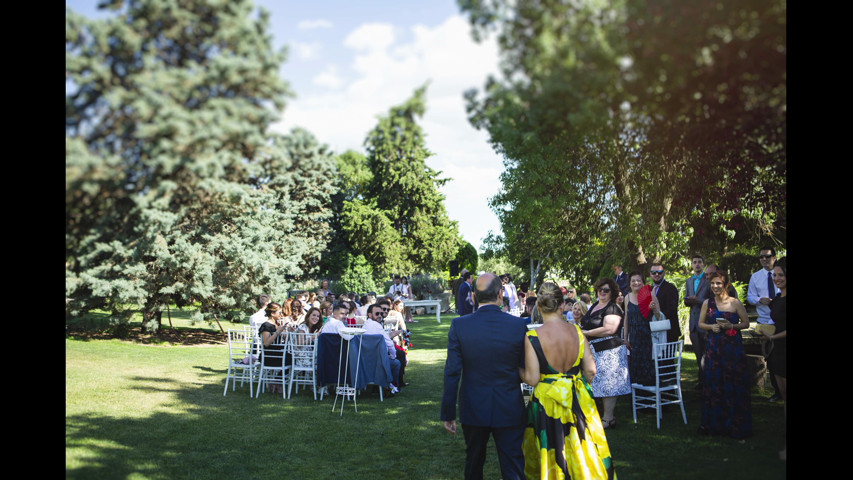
x: 188, y: 429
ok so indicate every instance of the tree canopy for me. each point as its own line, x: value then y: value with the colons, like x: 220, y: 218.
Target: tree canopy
x: 634, y: 130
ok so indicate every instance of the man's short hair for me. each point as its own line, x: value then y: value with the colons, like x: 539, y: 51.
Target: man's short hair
x: 373, y: 307
x: 342, y: 306
x: 263, y: 300
x: 466, y: 275
x: 383, y: 301
x: 772, y: 251
x: 696, y: 255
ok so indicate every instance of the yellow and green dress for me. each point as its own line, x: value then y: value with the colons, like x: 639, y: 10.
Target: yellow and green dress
x: 564, y: 437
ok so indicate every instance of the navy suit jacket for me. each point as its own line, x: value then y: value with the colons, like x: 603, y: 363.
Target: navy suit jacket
x: 485, y: 349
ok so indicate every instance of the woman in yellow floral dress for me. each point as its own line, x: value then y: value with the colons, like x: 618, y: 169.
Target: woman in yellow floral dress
x: 556, y: 365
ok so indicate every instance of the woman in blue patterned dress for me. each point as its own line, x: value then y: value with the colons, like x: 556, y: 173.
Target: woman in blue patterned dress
x: 726, y: 408
x: 602, y: 325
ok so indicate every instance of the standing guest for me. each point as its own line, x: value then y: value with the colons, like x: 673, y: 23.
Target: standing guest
x: 760, y: 292
x: 509, y: 291
x: 395, y: 291
x: 776, y: 360
x: 373, y: 326
x: 270, y: 333
x: 564, y: 433
x: 324, y: 288
x: 695, y: 292
x: 570, y: 296
x: 711, y: 268
x: 586, y: 299
x: 312, y: 301
x: 725, y: 394
x: 464, y: 303
x: 641, y: 364
x: 407, y: 295
x: 486, y: 349
x: 456, y: 284
x: 406, y: 291
x: 621, y: 280
x: 602, y: 325
x: 529, y: 305
x: 667, y: 295
x: 260, y: 316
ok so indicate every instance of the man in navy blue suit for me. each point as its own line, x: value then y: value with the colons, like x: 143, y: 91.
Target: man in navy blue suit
x: 486, y: 349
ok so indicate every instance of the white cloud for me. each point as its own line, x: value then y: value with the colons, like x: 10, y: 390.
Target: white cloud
x: 385, y: 66
x: 312, y: 24
x: 371, y: 37
x: 305, y: 51
x: 329, y: 78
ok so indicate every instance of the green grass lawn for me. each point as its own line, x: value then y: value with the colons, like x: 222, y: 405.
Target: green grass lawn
x: 157, y: 412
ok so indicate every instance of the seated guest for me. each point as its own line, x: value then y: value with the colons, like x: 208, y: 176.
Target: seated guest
x: 397, y: 316
x: 578, y: 311
x: 325, y: 310
x: 351, y: 313
x: 334, y: 324
x: 270, y: 332
x: 366, y: 301
x: 260, y: 316
x: 297, y: 315
x: 373, y: 326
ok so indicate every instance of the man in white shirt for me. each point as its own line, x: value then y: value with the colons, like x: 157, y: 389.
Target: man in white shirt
x: 336, y: 321
x: 396, y: 290
x: 760, y: 292
x: 373, y: 326
x: 259, y: 317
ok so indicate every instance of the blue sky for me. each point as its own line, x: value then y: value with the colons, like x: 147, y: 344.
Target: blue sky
x: 350, y: 61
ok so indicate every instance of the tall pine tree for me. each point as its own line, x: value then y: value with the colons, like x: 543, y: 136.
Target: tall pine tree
x: 405, y: 192
x: 175, y: 190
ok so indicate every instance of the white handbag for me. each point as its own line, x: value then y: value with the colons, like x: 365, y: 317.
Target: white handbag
x: 661, y: 324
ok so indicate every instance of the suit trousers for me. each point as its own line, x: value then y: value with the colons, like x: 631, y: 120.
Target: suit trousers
x: 697, y: 339
x: 507, y: 443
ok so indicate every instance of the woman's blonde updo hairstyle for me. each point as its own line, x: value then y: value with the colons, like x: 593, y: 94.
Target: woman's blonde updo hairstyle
x: 550, y: 298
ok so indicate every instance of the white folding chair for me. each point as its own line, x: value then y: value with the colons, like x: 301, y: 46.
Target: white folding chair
x: 242, y: 365
x: 303, y: 354
x: 667, y: 387
x: 276, y: 373
x: 516, y: 311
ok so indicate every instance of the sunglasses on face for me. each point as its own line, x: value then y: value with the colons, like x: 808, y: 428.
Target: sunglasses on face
x: 657, y: 272
x: 765, y: 256
x: 603, y: 290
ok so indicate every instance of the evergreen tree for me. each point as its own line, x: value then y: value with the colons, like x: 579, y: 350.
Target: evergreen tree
x: 174, y: 188
x: 405, y: 190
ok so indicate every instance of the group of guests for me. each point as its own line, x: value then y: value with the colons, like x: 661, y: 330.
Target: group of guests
x: 312, y: 314
x: 574, y: 395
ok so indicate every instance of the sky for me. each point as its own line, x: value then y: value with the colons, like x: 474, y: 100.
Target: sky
x: 350, y: 61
